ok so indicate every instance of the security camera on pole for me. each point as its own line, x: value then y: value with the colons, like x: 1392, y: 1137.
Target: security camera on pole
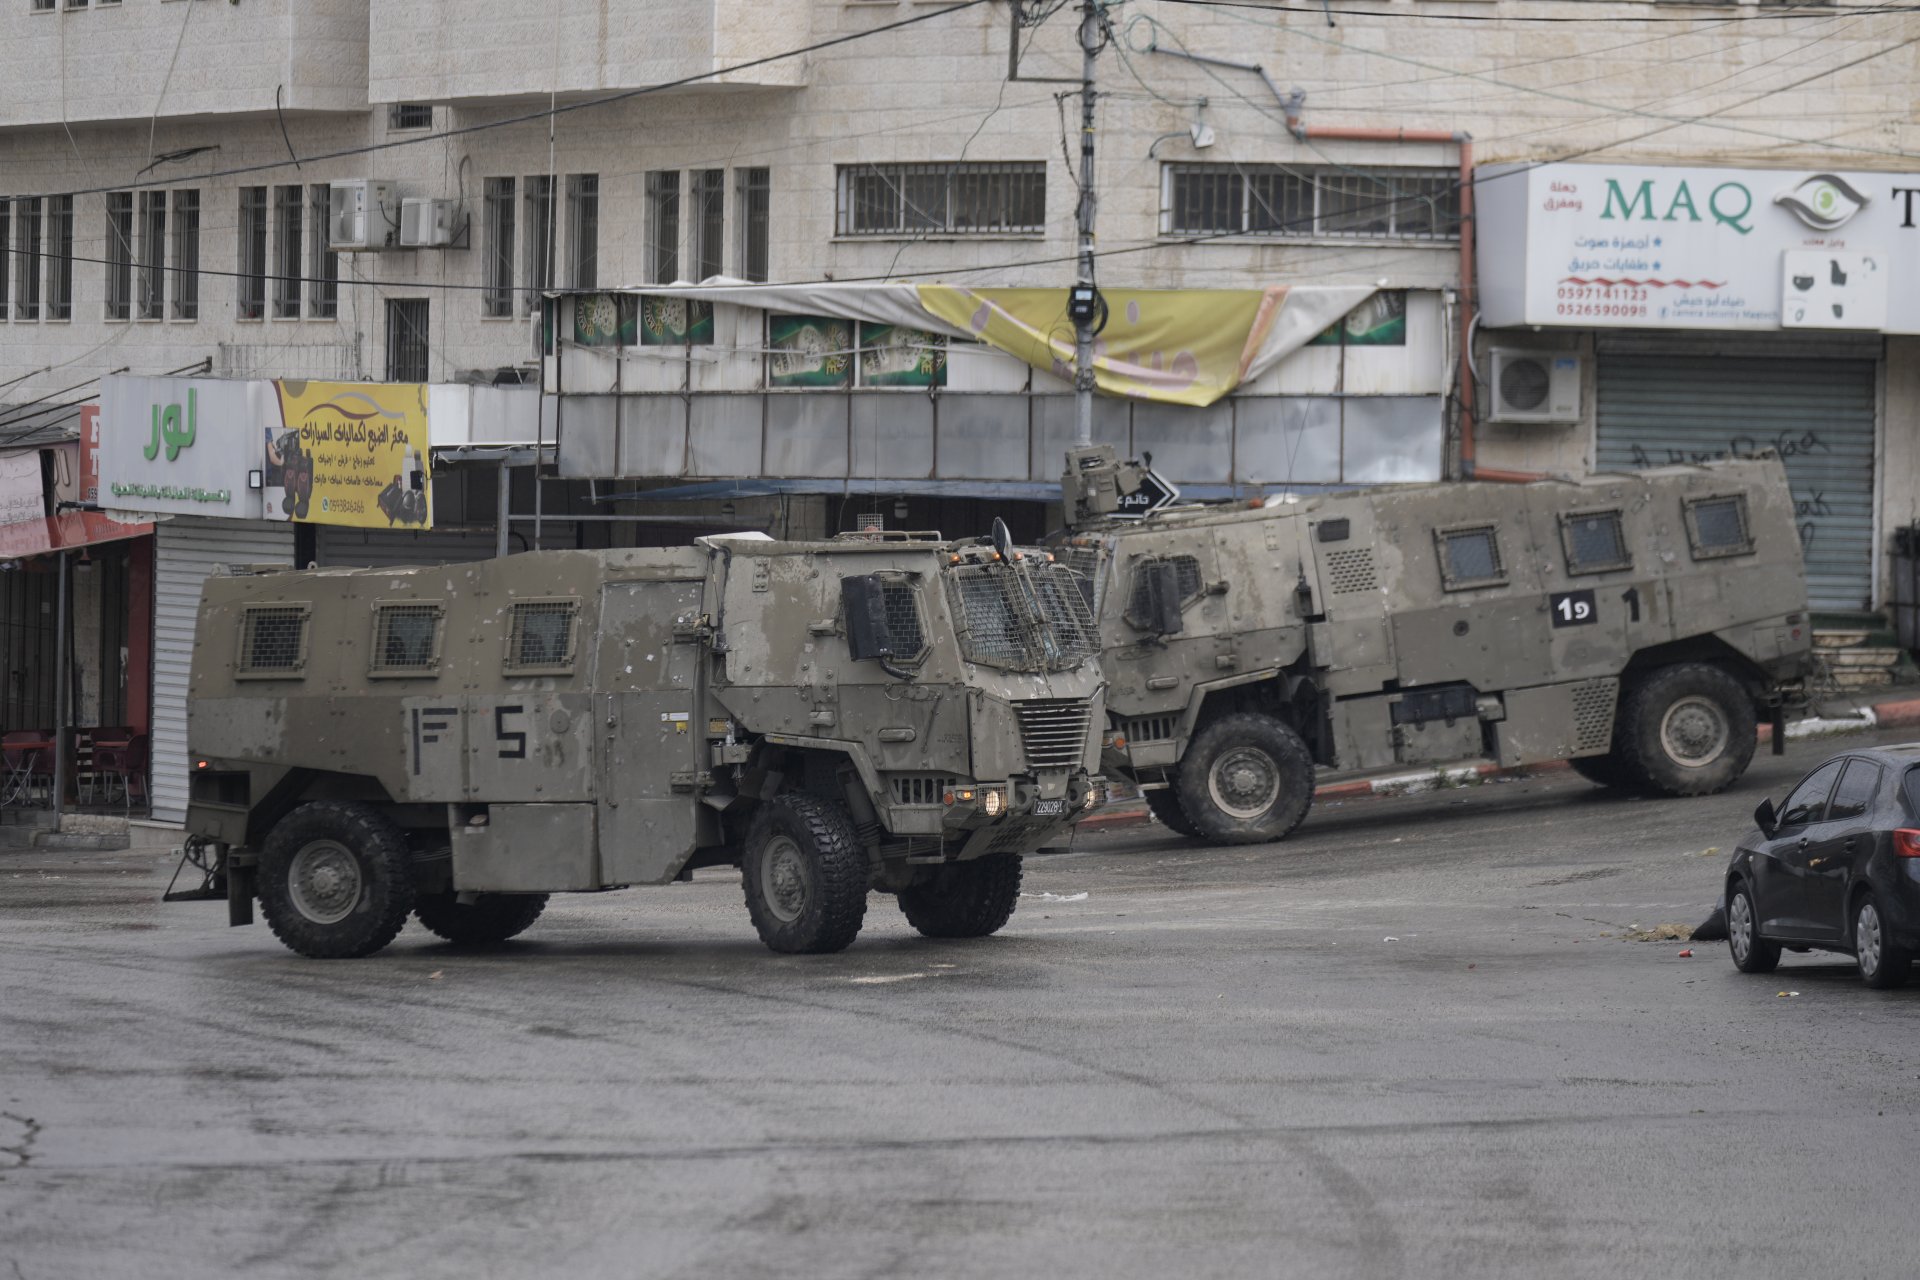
x: 1083, y: 302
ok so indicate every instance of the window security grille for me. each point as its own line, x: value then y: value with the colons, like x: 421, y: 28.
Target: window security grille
x: 186, y: 255
x: 497, y: 298
x: 709, y: 222
x: 323, y: 266
x: 26, y: 252
x: 540, y: 637
x: 663, y: 226
x: 540, y: 238
x: 964, y: 198
x: 410, y: 115
x: 253, y: 253
x: 408, y: 351
x: 903, y: 620
x: 1718, y: 526
x: 1470, y: 557
x: 406, y: 639
x: 583, y: 230
x: 288, y: 206
x: 60, y: 257
x: 119, y: 255
x: 1595, y: 542
x: 273, y: 640
x: 153, y: 255
x: 1311, y: 201
x: 753, y: 210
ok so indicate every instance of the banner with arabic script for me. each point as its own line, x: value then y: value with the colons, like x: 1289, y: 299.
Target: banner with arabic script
x: 350, y: 453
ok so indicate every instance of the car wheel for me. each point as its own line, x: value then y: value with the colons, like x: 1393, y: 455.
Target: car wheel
x: 806, y: 876
x: 1685, y: 730
x: 491, y: 918
x: 965, y: 899
x: 1165, y: 805
x: 1246, y: 778
x: 1882, y: 963
x: 336, y: 880
x: 1751, y: 952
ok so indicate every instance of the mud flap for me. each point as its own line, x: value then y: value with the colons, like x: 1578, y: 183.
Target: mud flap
x: 1779, y: 729
x: 240, y: 891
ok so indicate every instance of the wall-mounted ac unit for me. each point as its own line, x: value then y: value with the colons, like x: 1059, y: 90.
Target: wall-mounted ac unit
x: 1535, y: 386
x: 363, y: 216
x: 427, y: 224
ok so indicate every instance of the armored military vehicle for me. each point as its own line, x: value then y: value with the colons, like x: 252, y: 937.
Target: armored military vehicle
x: 1637, y: 624
x: 897, y: 714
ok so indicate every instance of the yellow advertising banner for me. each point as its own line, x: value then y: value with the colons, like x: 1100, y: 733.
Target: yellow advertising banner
x: 1180, y: 346
x: 350, y: 453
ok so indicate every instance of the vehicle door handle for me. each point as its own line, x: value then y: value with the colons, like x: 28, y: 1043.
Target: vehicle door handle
x: 1801, y: 844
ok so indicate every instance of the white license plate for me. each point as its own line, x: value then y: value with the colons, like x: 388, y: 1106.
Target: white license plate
x: 1049, y: 808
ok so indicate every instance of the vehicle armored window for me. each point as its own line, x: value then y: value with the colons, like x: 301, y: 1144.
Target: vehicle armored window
x: 1717, y: 526
x: 1594, y: 541
x: 406, y: 640
x: 1470, y: 557
x: 273, y: 641
x: 1032, y: 619
x: 1143, y: 604
x: 540, y: 639
x: 904, y: 630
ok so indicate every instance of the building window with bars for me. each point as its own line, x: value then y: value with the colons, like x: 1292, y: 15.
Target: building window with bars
x: 26, y: 254
x: 540, y: 237
x: 323, y: 264
x: 60, y: 257
x: 152, y: 296
x: 410, y: 115
x: 6, y: 254
x: 496, y: 299
x: 288, y: 208
x: 663, y: 226
x: 709, y: 222
x: 1310, y: 202
x: 253, y: 253
x: 960, y: 199
x: 583, y: 230
x: 119, y: 255
x: 407, y: 349
x: 186, y: 255
x: 752, y: 212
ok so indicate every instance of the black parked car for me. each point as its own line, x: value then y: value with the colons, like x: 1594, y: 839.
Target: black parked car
x: 1835, y: 867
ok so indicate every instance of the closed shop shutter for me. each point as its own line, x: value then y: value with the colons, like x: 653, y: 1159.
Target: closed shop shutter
x: 381, y: 549
x: 185, y: 552
x: 1818, y: 413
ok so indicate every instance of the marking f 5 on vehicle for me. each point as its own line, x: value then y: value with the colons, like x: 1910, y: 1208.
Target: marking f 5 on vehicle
x: 429, y: 725
x: 1572, y: 609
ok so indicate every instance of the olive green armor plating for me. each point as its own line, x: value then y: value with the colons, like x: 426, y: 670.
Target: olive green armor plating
x: 901, y: 714
x: 1637, y: 624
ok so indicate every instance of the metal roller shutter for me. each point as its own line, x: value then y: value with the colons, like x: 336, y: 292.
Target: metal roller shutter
x: 381, y: 549
x: 1818, y: 413
x: 185, y: 552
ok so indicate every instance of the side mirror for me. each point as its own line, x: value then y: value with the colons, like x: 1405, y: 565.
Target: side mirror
x: 868, y: 635
x: 1164, y: 593
x: 1765, y: 818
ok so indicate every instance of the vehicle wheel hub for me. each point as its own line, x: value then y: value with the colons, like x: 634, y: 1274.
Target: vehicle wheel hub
x: 1740, y: 927
x: 783, y: 879
x: 1866, y: 939
x: 1244, y: 782
x: 1694, y: 731
x: 324, y: 882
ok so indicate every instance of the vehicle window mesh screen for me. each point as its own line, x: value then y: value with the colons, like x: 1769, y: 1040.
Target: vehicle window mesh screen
x: 1070, y: 634
x: 1140, y: 602
x: 903, y: 620
x: 1472, y: 556
x: 1596, y: 541
x: 989, y: 622
x: 1720, y: 524
x: 271, y: 638
x: 404, y: 637
x: 1024, y: 621
x: 542, y: 634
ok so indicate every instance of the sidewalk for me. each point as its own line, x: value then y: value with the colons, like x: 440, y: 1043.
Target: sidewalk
x: 1889, y: 707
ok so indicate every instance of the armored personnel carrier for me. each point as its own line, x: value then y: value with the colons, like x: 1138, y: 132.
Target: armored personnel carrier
x: 458, y: 742
x: 1637, y: 624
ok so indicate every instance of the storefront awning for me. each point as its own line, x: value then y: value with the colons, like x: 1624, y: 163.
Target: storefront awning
x: 68, y: 531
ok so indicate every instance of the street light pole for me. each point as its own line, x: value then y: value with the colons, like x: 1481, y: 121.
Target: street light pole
x: 1083, y: 306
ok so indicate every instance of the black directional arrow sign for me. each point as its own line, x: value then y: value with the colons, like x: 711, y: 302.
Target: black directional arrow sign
x: 1152, y: 495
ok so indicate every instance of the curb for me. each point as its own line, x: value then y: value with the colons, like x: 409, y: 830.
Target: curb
x: 1883, y: 715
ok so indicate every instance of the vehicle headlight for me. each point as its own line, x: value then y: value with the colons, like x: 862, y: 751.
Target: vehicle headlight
x: 993, y: 800
x: 1093, y: 796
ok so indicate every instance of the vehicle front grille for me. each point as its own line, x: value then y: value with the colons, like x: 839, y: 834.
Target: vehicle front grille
x: 1054, y: 730
x: 920, y: 788
x: 1350, y: 571
x: 1151, y: 728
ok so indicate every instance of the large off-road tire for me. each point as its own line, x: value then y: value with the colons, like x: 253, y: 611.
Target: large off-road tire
x: 1605, y: 770
x: 1751, y: 952
x: 1165, y: 805
x: 1246, y: 778
x: 806, y: 876
x: 335, y: 880
x: 965, y: 899
x: 1685, y: 730
x: 491, y: 918
x: 1883, y: 963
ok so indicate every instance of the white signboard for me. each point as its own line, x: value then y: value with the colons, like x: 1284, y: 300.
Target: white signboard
x: 1658, y: 247
x: 184, y: 446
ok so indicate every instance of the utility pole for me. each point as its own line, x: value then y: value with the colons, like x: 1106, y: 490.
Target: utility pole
x: 1083, y: 302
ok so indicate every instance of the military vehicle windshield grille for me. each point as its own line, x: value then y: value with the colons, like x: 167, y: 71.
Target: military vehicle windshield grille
x: 1470, y: 557
x: 1595, y: 542
x: 405, y: 636
x: 1140, y: 602
x: 1083, y: 559
x: 1029, y: 619
x: 1719, y: 526
x: 542, y: 635
x: 273, y: 640
x: 903, y: 620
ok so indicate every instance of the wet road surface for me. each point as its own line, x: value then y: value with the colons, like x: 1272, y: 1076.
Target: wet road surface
x: 1418, y: 1039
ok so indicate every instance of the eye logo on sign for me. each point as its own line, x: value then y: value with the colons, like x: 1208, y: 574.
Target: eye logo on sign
x: 1823, y: 201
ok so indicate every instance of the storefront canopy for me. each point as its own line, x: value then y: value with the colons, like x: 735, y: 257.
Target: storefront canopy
x: 69, y: 531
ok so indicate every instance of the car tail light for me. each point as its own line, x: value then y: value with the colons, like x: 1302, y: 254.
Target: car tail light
x: 1906, y: 842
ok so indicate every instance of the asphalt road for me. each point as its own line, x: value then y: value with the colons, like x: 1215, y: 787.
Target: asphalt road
x: 1415, y: 1040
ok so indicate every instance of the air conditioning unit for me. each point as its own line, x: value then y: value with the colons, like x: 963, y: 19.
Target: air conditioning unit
x: 363, y: 216
x: 1535, y: 386
x: 427, y: 224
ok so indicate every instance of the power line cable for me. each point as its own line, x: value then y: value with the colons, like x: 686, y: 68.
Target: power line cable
x: 1780, y: 14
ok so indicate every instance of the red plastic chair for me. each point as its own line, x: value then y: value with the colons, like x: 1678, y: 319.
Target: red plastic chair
x: 121, y: 754
x: 27, y: 755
